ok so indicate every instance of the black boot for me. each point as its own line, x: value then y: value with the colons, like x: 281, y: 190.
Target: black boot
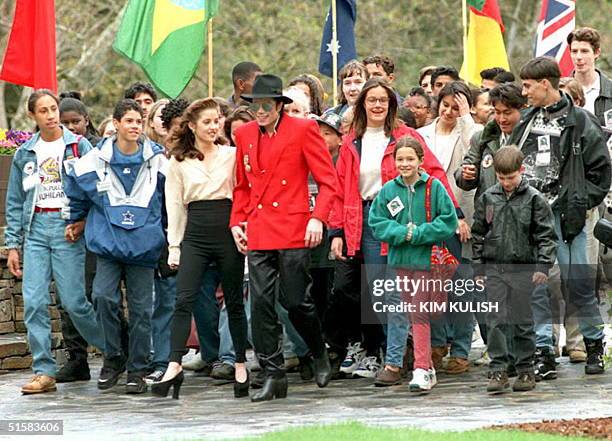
x: 76, y: 368
x: 595, y: 353
x: 545, y: 368
x: 258, y: 380
x: 306, y: 368
x: 273, y: 387
x: 323, y: 371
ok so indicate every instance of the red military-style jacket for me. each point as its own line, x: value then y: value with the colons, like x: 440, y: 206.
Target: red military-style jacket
x: 274, y: 201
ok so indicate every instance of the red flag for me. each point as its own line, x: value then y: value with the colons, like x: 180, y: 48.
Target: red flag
x: 29, y: 59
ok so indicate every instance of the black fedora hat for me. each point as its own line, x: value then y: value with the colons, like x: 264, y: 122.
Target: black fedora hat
x: 267, y: 86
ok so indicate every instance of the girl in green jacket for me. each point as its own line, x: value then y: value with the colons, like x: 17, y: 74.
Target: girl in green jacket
x: 398, y: 217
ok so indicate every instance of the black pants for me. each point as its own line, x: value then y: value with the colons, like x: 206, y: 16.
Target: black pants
x: 343, y: 318
x: 511, y: 292
x: 322, y: 284
x: 74, y: 343
x: 208, y: 239
x: 290, y: 268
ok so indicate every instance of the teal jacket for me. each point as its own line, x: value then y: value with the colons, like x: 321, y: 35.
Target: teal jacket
x: 393, y: 228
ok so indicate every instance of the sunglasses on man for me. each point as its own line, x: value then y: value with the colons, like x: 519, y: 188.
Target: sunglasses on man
x: 267, y: 106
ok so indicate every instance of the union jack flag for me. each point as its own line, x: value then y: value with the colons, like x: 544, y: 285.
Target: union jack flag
x: 557, y: 20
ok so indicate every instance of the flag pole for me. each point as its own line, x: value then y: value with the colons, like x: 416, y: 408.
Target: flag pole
x: 465, y: 34
x: 210, y: 58
x: 334, y: 54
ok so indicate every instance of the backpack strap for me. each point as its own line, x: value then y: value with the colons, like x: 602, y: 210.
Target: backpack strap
x: 428, y: 199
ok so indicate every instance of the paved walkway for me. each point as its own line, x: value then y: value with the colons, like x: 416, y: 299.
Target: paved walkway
x: 210, y: 412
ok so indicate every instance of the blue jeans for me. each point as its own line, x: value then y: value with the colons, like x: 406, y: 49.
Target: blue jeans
x: 107, y: 301
x: 542, y: 314
x: 398, y: 327
x: 212, y: 323
x: 163, y: 308
x: 47, y: 254
x: 580, y: 280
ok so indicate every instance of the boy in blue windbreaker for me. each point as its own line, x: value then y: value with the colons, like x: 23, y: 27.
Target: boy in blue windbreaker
x: 34, y: 226
x: 118, y: 188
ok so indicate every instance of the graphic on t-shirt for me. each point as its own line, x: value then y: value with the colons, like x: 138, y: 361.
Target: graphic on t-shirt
x: 49, y: 171
x: 51, y: 194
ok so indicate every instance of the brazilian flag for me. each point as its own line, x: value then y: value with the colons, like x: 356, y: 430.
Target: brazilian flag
x: 166, y: 39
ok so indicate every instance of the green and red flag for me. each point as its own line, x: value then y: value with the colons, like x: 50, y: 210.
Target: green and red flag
x: 166, y: 39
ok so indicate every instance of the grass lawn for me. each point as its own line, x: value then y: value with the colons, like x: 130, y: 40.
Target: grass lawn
x: 359, y: 432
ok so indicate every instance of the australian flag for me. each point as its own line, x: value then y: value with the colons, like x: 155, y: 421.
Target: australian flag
x: 346, y: 11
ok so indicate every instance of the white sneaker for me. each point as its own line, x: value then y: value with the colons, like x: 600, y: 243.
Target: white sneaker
x: 484, y: 359
x: 353, y: 358
x: 423, y: 380
x: 195, y: 364
x: 368, y: 367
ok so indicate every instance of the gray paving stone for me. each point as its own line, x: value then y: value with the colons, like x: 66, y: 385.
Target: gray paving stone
x: 210, y: 412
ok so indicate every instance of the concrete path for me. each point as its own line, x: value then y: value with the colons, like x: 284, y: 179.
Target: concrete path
x: 206, y: 411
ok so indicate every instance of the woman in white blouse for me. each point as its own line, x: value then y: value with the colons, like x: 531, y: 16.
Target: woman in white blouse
x: 199, y: 187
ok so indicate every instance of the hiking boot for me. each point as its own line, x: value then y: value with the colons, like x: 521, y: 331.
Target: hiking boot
x: 135, y: 384
x: 457, y: 366
x: 498, y: 382
x: 387, y: 377
x: 423, y: 380
x: 353, y: 358
x: 39, y: 385
x: 595, y: 353
x: 545, y: 367
x: 437, y: 354
x: 577, y: 356
x: 75, y: 369
x: 524, y: 382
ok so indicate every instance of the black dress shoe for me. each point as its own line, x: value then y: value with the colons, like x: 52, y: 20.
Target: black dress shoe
x: 323, y: 370
x: 242, y: 389
x: 273, y: 387
x: 161, y: 388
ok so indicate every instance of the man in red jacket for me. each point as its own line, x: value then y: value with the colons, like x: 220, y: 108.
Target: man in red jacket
x: 275, y: 154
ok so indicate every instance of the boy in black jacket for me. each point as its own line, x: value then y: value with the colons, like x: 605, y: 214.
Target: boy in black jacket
x: 513, y: 233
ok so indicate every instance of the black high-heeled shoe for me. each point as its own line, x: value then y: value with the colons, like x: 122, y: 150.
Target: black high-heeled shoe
x: 241, y: 390
x: 272, y: 388
x: 161, y: 389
